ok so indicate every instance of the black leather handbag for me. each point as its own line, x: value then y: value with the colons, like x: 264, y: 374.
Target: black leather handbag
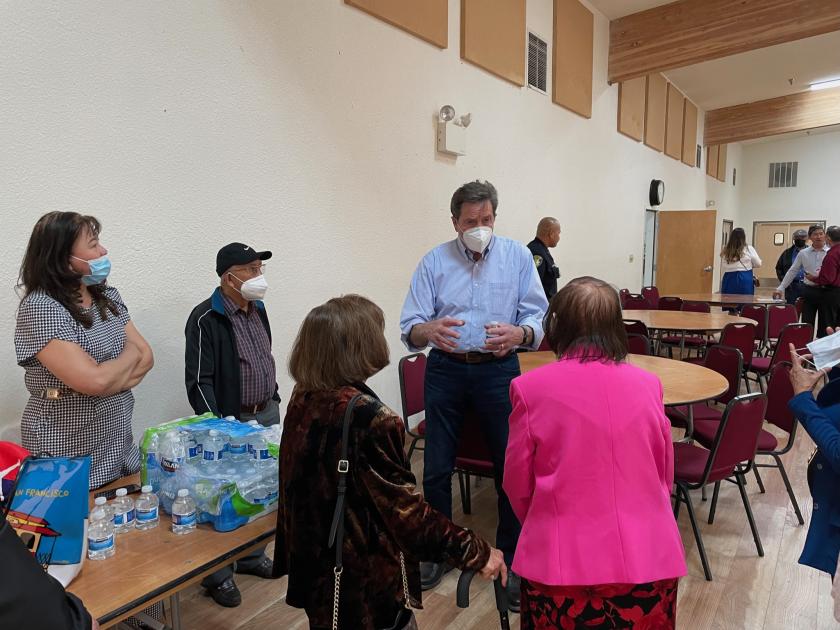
x: 405, y: 617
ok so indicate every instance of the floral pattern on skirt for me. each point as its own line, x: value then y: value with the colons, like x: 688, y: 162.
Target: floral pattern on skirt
x: 650, y: 606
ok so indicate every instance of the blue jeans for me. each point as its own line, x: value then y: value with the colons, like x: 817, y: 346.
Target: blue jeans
x: 452, y: 388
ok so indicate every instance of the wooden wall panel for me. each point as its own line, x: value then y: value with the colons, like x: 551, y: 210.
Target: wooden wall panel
x: 428, y: 20
x: 674, y: 123
x: 689, y: 148
x: 572, y: 47
x: 493, y: 37
x: 657, y: 100
x: 687, y: 32
x: 796, y: 112
x: 712, y: 160
x: 631, y: 108
x: 721, y: 165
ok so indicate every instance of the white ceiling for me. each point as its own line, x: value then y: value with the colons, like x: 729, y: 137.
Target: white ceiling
x: 760, y: 74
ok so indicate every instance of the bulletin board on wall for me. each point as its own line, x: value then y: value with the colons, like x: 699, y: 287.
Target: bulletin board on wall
x: 674, y: 123
x: 689, y: 142
x: 493, y: 37
x: 572, y: 57
x: 428, y: 20
x: 631, y: 108
x: 655, y: 114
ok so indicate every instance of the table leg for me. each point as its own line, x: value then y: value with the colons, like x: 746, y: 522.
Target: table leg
x: 175, y: 611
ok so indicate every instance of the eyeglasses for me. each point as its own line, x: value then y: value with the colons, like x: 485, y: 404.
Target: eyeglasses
x: 254, y: 270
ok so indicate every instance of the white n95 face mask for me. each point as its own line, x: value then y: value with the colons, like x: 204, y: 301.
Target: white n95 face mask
x: 826, y: 351
x: 478, y: 238
x: 254, y: 289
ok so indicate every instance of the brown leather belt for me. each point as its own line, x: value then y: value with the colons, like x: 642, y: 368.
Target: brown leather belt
x: 255, y: 408
x: 53, y: 393
x: 471, y: 357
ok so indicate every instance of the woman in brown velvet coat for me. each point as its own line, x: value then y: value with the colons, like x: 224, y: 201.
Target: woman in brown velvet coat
x: 339, y: 346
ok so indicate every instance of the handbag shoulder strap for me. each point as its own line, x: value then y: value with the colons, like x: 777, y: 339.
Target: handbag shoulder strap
x: 337, y: 528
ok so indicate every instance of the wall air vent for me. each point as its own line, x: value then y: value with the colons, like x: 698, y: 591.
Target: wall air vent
x: 783, y: 174
x: 537, y: 62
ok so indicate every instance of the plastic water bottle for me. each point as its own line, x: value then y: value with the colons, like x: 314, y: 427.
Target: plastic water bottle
x: 183, y: 513
x: 153, y: 462
x: 273, y: 486
x: 191, y: 445
x: 238, y: 448
x: 123, y: 512
x: 101, y: 537
x: 172, y: 453
x: 259, y: 447
x: 213, y: 451
x: 147, y: 509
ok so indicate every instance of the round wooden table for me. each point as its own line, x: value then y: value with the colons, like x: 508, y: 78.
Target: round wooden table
x: 686, y: 321
x: 682, y: 383
x: 720, y: 299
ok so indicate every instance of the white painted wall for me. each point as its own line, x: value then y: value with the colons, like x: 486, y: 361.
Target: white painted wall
x: 306, y: 127
x: 817, y: 193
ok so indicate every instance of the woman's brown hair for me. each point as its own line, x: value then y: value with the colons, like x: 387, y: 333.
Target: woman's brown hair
x: 584, y: 321
x: 341, y: 342
x: 46, y: 264
x: 735, y: 246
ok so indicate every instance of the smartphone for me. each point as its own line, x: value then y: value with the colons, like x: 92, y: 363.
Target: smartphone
x: 132, y: 488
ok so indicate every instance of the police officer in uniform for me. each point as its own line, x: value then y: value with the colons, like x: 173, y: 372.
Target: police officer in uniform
x: 548, y: 235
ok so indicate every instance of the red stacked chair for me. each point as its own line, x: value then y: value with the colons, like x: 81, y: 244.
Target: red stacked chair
x: 412, y: 373
x: 797, y: 334
x: 651, y: 294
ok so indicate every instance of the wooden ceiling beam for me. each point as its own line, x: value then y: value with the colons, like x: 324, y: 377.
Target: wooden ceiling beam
x: 691, y: 31
x: 795, y: 112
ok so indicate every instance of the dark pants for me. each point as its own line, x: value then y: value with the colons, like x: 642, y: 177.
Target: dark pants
x: 249, y: 561
x: 811, y: 300
x: 829, y: 309
x: 451, y: 389
x: 793, y: 291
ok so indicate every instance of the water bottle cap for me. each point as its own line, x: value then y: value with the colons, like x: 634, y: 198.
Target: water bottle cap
x: 214, y: 432
x: 99, y: 501
x: 121, y: 492
x: 183, y: 492
x: 146, y: 489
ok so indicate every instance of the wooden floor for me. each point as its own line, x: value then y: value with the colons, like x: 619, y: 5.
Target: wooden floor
x: 748, y: 592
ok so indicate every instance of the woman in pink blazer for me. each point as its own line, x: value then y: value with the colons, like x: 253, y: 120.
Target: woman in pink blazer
x: 588, y: 470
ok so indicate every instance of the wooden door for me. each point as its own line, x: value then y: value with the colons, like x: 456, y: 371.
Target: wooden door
x: 685, y: 252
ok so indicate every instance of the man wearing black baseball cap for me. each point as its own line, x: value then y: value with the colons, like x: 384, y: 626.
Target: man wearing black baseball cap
x: 229, y: 371
x: 792, y: 289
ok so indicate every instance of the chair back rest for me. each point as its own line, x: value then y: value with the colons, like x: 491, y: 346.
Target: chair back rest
x: 622, y: 296
x: 741, y: 336
x: 800, y: 301
x: 779, y: 316
x: 544, y: 345
x: 798, y: 335
x: 670, y: 303
x: 472, y: 444
x: 779, y: 393
x: 412, y: 373
x: 638, y: 344
x: 651, y: 294
x: 636, y: 327
x: 737, y: 435
x: 696, y: 307
x: 634, y: 301
x: 758, y: 313
x: 727, y: 362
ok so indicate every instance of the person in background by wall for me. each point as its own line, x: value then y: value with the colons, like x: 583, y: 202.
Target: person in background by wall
x: 737, y: 263
x: 475, y: 299
x: 807, y: 263
x: 548, y: 235
x: 828, y: 281
x: 81, y: 352
x: 594, y: 537
x: 785, y: 262
x: 29, y: 596
x: 229, y: 370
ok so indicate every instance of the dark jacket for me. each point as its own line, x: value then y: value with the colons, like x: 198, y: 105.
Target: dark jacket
x: 384, y: 513
x: 785, y: 262
x: 822, y: 544
x: 29, y: 597
x: 211, y: 360
x: 546, y: 269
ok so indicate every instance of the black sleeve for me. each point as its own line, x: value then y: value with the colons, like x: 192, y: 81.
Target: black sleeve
x: 199, y: 365
x: 781, y: 267
x: 29, y: 597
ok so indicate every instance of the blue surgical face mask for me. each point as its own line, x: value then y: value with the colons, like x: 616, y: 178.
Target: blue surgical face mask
x: 99, y: 270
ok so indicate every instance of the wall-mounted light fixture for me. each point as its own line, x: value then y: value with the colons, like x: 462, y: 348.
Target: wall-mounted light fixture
x: 452, y: 131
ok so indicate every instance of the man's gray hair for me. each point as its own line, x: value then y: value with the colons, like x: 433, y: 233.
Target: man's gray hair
x: 474, y: 192
x: 833, y: 233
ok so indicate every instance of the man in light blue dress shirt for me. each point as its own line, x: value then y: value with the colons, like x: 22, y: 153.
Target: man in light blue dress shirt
x: 475, y: 300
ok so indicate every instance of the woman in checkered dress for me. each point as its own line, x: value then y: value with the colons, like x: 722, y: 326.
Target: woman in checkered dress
x: 79, y: 348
